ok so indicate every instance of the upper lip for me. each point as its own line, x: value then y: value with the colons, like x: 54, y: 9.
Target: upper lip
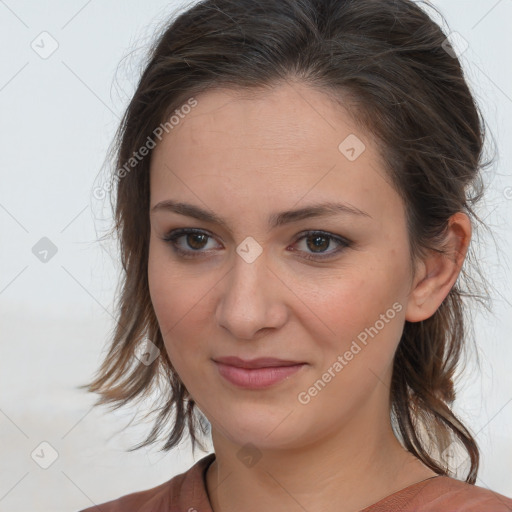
x: 261, y: 362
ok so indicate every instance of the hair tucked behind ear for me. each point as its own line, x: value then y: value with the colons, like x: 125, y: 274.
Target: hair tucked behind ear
x: 385, y: 62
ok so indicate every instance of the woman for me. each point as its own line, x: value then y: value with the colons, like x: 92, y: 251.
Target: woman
x: 295, y: 182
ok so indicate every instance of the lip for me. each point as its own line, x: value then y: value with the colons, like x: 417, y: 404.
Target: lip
x: 261, y: 362
x: 261, y: 373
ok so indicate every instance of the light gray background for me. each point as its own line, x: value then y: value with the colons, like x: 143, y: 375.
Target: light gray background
x: 58, y: 116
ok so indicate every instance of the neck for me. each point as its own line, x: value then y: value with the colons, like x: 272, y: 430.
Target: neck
x: 342, y: 471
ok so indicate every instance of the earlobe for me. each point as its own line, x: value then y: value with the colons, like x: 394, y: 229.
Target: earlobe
x: 438, y: 272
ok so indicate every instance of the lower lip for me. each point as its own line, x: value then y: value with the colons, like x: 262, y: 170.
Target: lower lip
x: 256, y: 378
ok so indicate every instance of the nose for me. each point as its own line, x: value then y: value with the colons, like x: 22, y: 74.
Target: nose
x: 252, y: 299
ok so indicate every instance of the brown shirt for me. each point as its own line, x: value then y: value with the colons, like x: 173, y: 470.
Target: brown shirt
x: 187, y: 492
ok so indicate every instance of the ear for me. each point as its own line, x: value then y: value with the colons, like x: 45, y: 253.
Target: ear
x: 437, y: 273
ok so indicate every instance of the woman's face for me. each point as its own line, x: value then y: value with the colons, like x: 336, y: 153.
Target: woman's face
x: 252, y: 287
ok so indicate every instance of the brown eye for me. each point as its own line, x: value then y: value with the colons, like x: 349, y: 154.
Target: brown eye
x: 195, y: 241
x: 318, y: 242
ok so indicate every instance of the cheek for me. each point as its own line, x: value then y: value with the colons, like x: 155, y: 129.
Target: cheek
x: 168, y: 293
x: 180, y: 301
x: 379, y: 306
x: 172, y: 289
x: 366, y: 317
x: 357, y: 298
x: 366, y: 306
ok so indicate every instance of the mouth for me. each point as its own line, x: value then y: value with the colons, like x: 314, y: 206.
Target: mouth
x: 258, y: 373
x: 260, y: 362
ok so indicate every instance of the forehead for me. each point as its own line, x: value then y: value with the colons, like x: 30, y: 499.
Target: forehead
x: 280, y: 141
x: 290, y: 116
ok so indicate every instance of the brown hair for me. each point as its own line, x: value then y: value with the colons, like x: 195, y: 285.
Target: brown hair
x: 388, y: 63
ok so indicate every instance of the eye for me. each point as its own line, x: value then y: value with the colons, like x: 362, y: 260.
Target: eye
x: 322, y: 240
x: 197, y: 240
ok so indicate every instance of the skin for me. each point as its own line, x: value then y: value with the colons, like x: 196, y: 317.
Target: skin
x: 244, y: 157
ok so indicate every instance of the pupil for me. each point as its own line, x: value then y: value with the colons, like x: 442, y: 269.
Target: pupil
x: 317, y: 245
x: 196, y: 236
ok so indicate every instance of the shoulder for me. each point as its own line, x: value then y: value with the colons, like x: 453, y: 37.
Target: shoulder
x: 186, y: 491
x: 452, y: 495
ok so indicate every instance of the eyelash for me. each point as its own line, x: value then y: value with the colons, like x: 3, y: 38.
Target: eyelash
x: 174, y: 235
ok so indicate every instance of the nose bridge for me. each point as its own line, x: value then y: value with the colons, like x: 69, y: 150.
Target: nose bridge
x: 248, y: 302
x: 250, y: 271
x: 246, y: 284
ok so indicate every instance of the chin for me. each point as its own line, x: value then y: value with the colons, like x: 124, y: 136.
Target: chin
x: 266, y: 430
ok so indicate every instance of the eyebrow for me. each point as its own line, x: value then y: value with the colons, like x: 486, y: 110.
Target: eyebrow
x: 275, y: 220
